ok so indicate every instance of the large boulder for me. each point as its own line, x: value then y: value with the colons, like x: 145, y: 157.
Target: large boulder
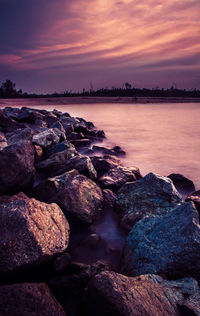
x: 78, y: 196
x: 167, y: 244
x: 17, y: 166
x: 20, y: 135
x: 31, y: 232
x: 152, y: 195
x: 48, y: 137
x: 113, y: 294
x: 7, y: 124
x: 28, y: 299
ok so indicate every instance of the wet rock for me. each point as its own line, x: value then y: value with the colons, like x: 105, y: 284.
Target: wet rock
x: 182, y: 184
x: 167, y: 244
x: 103, y: 150
x: 113, y: 294
x: 195, y: 198
x: 17, y: 167
x: 31, y: 233
x: 51, y: 118
x: 84, y: 165
x: 119, y: 151
x: 56, y: 163
x: 104, y: 164
x: 75, y: 136
x: 3, y: 141
x: 11, y: 112
x: 78, y: 196
x: 20, y: 135
x: 29, y: 116
x: 61, y: 147
x: 101, y: 134
x: 68, y: 123
x: 108, y: 199
x: 59, y: 126
x: 34, y: 299
x: 62, y: 262
x: 48, y: 137
x: 80, y: 143
x: 116, y: 177
x: 152, y: 195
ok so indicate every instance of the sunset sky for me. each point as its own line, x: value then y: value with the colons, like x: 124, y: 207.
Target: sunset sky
x: 48, y: 45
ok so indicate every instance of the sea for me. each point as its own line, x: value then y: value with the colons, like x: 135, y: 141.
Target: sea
x: 162, y: 138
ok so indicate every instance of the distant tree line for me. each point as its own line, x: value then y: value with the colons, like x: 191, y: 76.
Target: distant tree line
x: 8, y: 90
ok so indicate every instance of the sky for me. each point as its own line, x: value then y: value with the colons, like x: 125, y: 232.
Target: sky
x: 49, y: 45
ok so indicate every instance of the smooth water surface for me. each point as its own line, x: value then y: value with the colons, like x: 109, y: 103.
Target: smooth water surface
x: 163, y: 138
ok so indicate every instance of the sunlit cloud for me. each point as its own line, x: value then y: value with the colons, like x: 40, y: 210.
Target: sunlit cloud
x: 110, y: 33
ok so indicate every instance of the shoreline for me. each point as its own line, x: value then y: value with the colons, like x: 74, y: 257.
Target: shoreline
x: 91, y: 100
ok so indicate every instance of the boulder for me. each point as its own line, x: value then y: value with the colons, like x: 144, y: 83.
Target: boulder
x: 113, y: 294
x: 152, y: 195
x: 104, y: 164
x: 116, y: 177
x: 3, y: 141
x: 51, y: 118
x: 80, y: 143
x: 56, y: 163
x: 17, y: 167
x: 33, y: 299
x: 7, y: 124
x: 84, y: 165
x: 78, y: 196
x: 48, y: 137
x: 75, y: 136
x: 31, y: 233
x: 29, y: 116
x: 182, y: 184
x: 167, y: 244
x: 115, y: 151
x: 20, y: 135
x: 58, y: 125
x: 61, y: 147
x: 195, y: 197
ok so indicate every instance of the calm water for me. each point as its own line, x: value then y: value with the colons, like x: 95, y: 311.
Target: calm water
x: 163, y: 138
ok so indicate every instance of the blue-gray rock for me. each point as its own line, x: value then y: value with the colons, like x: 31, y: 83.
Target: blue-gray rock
x: 152, y: 195
x: 167, y: 244
x: 113, y: 294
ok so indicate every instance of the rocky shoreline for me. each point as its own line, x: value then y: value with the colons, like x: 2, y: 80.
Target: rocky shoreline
x: 61, y: 193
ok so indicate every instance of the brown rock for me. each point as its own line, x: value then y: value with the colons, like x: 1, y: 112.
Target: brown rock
x: 28, y: 299
x: 195, y: 197
x: 31, y: 232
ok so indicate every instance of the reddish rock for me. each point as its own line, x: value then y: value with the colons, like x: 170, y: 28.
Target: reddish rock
x: 28, y: 299
x: 31, y: 232
x: 108, y: 199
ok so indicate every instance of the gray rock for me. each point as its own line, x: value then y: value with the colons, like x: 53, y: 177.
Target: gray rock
x: 28, y: 299
x: 113, y: 294
x: 152, y: 195
x: 167, y: 244
x: 48, y: 137
x: 31, y: 232
x: 17, y: 167
x: 78, y: 196
x: 20, y: 135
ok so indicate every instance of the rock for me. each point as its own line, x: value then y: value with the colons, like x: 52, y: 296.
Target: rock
x: 119, y: 151
x: 29, y: 116
x: 3, y: 141
x: 104, y: 164
x: 51, y: 118
x: 17, y: 167
x: 75, y: 136
x: 59, y: 126
x: 108, y: 199
x: 113, y: 294
x: 20, y: 135
x: 167, y: 244
x: 91, y: 241
x: 31, y: 233
x: 77, y: 195
x: 57, y: 163
x: 38, y: 153
x: 80, y: 143
x: 7, y: 124
x: 84, y: 165
x: 195, y: 197
x: 116, y: 177
x: 61, y: 147
x: 11, y: 112
x: 181, y: 183
x: 152, y: 195
x: 103, y: 150
x: 48, y: 137
x: 33, y: 299
x: 62, y: 262
x: 101, y: 134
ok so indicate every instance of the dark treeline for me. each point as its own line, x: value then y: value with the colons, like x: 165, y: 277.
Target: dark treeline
x: 7, y: 90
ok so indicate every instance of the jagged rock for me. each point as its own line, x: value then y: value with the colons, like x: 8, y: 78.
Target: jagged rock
x: 51, y: 118
x: 108, y: 199
x: 77, y: 195
x: 56, y: 163
x: 116, y: 177
x: 61, y: 147
x: 31, y: 232
x: 104, y: 164
x: 29, y: 116
x: 75, y: 136
x: 17, y: 167
x: 48, y: 137
x: 33, y: 299
x: 58, y: 125
x: 3, y: 141
x: 103, y: 150
x: 7, y: 124
x: 195, y: 197
x: 11, y: 112
x: 167, y: 244
x: 152, y: 195
x: 113, y: 294
x: 20, y: 135
x: 181, y: 183
x: 80, y: 143
x: 84, y: 165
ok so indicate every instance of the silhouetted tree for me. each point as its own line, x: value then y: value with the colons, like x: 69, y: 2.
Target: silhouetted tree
x: 8, y: 89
